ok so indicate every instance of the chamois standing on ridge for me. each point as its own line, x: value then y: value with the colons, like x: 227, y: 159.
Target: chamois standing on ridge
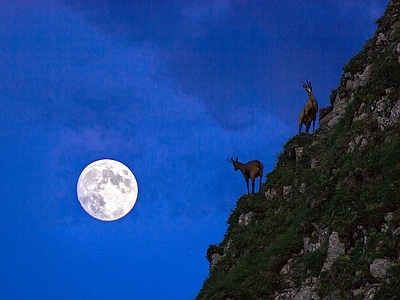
x: 250, y: 170
x: 309, y: 112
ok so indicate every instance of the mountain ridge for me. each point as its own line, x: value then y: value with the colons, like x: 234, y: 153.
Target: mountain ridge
x: 326, y: 224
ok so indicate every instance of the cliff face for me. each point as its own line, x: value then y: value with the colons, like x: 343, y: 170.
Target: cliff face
x: 327, y: 222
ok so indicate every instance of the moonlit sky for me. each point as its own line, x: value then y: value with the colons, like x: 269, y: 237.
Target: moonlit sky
x: 169, y: 88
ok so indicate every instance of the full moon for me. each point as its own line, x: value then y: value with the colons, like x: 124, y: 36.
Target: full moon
x: 107, y: 189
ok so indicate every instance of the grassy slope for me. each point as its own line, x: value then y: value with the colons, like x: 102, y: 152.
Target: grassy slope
x: 347, y: 192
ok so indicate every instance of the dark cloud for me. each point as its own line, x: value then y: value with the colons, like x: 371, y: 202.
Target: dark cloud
x: 92, y: 99
x: 235, y: 54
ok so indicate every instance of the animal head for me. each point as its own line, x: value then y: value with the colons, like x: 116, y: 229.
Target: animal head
x: 307, y: 86
x: 233, y: 162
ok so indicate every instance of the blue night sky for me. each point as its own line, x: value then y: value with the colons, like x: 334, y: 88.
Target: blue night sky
x: 169, y: 88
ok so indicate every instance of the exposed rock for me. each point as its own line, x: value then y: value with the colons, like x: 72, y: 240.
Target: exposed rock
x: 360, y: 117
x: 227, y: 246
x: 382, y: 38
x: 359, y: 79
x: 395, y: 113
x: 333, y: 117
x: 364, y: 142
x: 287, y: 269
x: 383, y: 122
x: 299, y: 152
x: 384, y: 227
x: 287, y: 274
x: 314, y: 162
x: 215, y: 257
x: 367, y: 291
x: 360, y: 140
x: 316, y: 240
x: 306, y: 293
x: 310, y: 247
x: 361, y: 113
x: 270, y: 194
x: 370, y: 294
x: 349, y: 84
x: 380, y: 267
x: 245, y: 219
x: 396, y: 232
x: 398, y: 51
x: 322, y: 234
x: 324, y: 111
x: 382, y: 105
x: 286, y: 190
x: 352, y: 146
x: 328, y: 120
x: 384, y: 113
x: 302, y: 188
x: 359, y: 291
x: 335, y: 250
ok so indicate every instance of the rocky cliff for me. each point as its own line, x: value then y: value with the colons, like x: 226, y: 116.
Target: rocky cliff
x: 327, y: 222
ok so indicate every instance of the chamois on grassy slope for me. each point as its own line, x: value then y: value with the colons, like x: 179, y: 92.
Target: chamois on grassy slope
x: 309, y: 112
x: 250, y: 170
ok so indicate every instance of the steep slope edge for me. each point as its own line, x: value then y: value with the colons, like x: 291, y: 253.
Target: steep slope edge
x: 327, y: 222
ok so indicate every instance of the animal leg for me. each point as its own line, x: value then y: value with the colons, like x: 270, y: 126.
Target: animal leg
x: 247, y: 185
x: 260, y: 182
x: 252, y: 186
x: 313, y: 126
x: 301, y: 120
x: 308, y: 127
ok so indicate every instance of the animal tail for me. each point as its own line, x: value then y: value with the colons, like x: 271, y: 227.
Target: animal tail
x: 261, y: 167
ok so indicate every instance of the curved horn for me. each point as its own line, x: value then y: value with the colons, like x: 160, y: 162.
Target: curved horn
x: 230, y: 160
x: 306, y: 85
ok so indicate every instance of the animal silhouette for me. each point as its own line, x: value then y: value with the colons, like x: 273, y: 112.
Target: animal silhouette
x: 250, y: 171
x: 309, y: 112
